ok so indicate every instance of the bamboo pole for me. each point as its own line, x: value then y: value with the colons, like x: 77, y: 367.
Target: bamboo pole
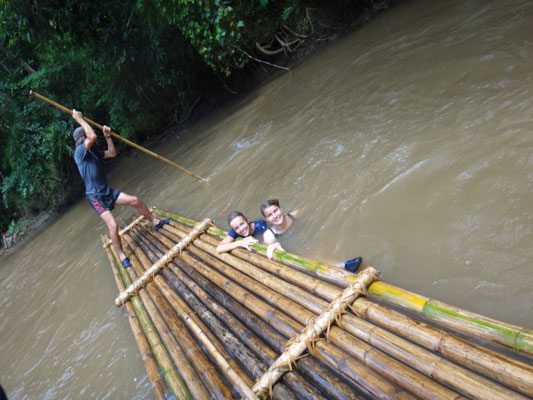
x: 128, y: 142
x: 335, y: 387
x: 440, y: 369
x: 155, y: 305
x: 158, y: 385
x: 294, y: 381
x: 183, y: 311
x: 161, y: 263
x: 138, y: 220
x: 412, y: 380
x: 189, y: 304
x: 514, y: 337
x: 170, y: 373
x: 201, y: 334
x: 377, y: 385
x: 313, y: 330
x: 517, y: 338
x: 195, y: 356
x: 512, y: 374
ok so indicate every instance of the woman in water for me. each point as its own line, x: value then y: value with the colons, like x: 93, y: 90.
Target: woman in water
x: 241, y: 227
x: 280, y: 223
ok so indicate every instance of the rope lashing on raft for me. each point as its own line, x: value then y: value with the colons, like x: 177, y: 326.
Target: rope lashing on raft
x: 296, y: 346
x: 150, y: 273
x: 126, y: 229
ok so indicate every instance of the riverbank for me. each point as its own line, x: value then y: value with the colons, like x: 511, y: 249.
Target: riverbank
x: 274, y: 59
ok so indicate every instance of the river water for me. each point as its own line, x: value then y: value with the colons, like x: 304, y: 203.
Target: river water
x: 408, y: 143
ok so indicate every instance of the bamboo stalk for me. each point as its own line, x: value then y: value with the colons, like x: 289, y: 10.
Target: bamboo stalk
x: 128, y: 142
x: 170, y: 373
x: 450, y: 379
x: 202, y: 336
x: 313, y: 330
x: 328, y: 382
x: 383, y: 390
x: 183, y: 311
x: 514, y: 337
x: 414, y: 380
x: 375, y: 386
x: 155, y: 305
x: 294, y: 381
x: 408, y: 378
x: 512, y: 373
x: 195, y: 356
x: 157, y: 383
x: 127, y: 228
x: 517, y: 338
x: 161, y: 263
x: 247, y: 358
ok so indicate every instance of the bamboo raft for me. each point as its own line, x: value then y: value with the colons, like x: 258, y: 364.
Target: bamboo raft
x: 238, y: 325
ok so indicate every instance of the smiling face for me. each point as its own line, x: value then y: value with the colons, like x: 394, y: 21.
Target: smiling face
x: 274, y: 215
x: 241, y: 226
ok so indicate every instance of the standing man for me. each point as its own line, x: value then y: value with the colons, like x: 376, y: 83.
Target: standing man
x: 100, y: 196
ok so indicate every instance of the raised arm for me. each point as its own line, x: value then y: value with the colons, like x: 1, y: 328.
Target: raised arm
x: 89, y: 132
x: 110, y: 151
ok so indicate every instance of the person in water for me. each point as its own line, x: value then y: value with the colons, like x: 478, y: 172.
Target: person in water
x: 280, y: 223
x: 100, y: 196
x: 241, y: 227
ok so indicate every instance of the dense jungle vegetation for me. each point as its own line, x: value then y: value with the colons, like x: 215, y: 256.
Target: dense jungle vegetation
x: 139, y: 66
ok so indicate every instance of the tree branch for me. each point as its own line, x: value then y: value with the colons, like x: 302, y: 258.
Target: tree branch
x: 262, y: 61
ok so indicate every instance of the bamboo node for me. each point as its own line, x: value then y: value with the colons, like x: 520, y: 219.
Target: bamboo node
x: 312, y: 332
x: 515, y: 341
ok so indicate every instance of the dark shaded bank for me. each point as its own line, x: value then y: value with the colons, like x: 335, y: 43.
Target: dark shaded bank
x: 276, y: 53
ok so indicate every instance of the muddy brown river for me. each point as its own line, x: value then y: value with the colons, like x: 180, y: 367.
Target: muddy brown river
x: 409, y: 143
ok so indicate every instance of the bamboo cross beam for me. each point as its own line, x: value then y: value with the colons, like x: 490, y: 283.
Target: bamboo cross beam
x: 126, y: 229
x: 322, y: 323
x: 148, y: 276
x: 115, y: 135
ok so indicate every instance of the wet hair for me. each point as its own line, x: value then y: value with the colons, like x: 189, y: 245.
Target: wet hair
x: 235, y: 214
x: 268, y: 203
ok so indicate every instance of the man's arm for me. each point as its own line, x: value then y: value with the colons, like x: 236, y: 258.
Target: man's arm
x: 89, y: 132
x: 111, y: 151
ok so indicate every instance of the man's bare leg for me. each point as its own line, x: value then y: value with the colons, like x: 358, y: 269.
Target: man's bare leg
x: 112, y: 225
x: 125, y: 199
x: 132, y: 201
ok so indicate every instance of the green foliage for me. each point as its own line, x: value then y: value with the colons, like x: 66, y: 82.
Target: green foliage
x: 128, y: 64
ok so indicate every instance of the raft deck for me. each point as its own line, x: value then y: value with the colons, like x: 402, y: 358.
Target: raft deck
x: 238, y: 325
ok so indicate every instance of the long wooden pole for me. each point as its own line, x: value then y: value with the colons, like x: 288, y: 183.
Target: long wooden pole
x: 129, y: 142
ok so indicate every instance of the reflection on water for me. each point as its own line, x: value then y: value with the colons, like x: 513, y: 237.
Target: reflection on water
x: 408, y: 143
